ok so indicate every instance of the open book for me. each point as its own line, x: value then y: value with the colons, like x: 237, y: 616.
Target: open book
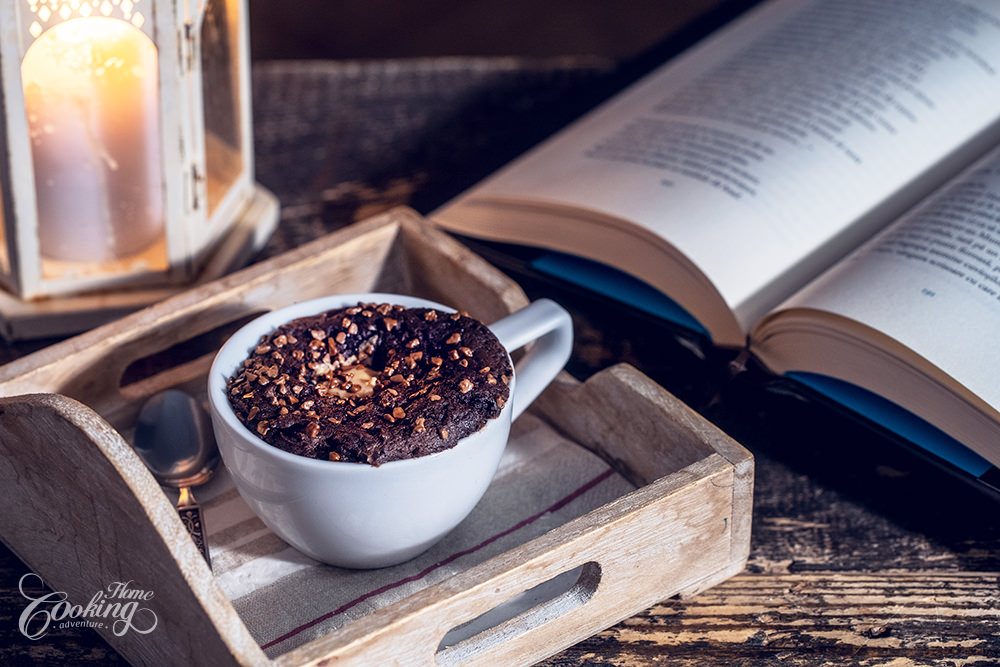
x: 818, y: 180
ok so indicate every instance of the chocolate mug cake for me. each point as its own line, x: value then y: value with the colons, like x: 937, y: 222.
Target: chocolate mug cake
x: 371, y: 383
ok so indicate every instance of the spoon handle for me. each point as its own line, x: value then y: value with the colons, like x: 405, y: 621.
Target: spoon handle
x: 190, y: 513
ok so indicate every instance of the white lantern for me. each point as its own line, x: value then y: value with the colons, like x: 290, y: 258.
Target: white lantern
x: 126, y: 149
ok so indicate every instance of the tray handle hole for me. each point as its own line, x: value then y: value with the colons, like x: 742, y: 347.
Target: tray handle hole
x: 185, y: 351
x: 526, y: 610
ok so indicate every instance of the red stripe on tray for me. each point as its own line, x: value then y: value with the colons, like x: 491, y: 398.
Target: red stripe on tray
x: 420, y: 575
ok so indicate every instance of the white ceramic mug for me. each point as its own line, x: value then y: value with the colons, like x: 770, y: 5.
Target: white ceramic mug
x: 362, y: 516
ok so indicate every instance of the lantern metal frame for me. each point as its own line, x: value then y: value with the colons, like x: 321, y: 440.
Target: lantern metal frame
x: 201, y: 242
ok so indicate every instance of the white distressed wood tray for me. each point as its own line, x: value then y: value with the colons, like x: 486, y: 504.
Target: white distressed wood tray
x: 83, y: 512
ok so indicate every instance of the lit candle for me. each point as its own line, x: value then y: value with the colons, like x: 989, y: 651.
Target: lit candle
x: 91, y: 97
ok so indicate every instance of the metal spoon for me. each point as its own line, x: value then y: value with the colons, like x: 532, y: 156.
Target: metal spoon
x: 174, y: 438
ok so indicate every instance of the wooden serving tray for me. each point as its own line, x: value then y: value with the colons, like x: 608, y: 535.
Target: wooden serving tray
x: 83, y: 511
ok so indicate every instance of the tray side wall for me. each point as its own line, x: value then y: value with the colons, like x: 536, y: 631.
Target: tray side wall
x: 678, y: 534
x: 648, y: 545
x: 72, y: 486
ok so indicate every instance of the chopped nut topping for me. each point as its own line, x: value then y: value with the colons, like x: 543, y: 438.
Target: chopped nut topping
x: 501, y: 401
x: 321, y: 368
x: 323, y: 375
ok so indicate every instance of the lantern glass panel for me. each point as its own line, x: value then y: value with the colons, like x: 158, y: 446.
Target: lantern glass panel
x: 91, y: 92
x: 220, y: 71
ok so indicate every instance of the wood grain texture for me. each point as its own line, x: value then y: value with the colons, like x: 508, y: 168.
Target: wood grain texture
x: 829, y: 618
x: 86, y: 514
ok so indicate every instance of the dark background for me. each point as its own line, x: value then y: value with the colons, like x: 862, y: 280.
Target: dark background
x: 349, y: 29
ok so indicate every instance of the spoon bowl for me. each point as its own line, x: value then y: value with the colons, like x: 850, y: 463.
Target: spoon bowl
x: 174, y: 438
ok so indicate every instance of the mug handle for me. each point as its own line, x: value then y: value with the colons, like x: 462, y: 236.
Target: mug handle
x: 547, y: 323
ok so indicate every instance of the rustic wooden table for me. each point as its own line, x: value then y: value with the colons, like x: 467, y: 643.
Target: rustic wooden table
x: 862, y: 553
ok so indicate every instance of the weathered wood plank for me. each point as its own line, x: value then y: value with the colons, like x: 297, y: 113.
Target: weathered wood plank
x: 902, y: 619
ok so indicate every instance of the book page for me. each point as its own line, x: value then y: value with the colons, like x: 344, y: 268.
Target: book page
x: 931, y: 281
x: 775, y: 146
